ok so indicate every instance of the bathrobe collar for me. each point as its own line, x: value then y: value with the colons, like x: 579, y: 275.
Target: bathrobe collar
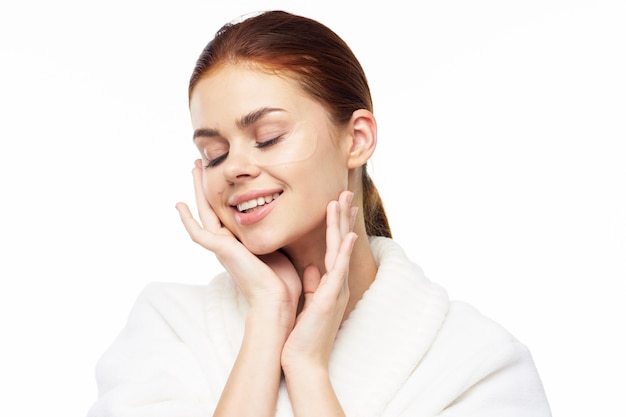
x: 377, y: 347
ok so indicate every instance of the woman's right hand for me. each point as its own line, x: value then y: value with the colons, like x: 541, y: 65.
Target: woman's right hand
x: 268, y: 282
x: 272, y: 288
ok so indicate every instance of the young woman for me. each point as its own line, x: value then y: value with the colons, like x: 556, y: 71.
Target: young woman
x: 319, y: 312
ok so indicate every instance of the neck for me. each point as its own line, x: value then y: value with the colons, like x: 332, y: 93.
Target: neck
x: 363, y: 267
x: 363, y: 270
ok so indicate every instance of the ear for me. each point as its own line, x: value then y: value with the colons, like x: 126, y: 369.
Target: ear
x: 363, y: 134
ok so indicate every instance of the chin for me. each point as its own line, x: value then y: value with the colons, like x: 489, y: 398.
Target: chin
x: 262, y: 251
x: 265, y: 240
x: 260, y: 246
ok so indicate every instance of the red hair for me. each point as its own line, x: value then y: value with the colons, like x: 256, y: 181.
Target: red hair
x: 315, y: 57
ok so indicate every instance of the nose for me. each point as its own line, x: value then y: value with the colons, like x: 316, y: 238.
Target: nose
x: 239, y: 166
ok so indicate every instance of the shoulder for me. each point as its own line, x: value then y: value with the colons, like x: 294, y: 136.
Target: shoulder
x: 479, y: 345
x: 459, y: 321
x: 162, y: 296
x: 465, y: 358
x: 159, y: 294
x: 487, y: 347
x: 465, y: 321
x: 173, y: 305
x: 471, y: 341
x: 474, y: 366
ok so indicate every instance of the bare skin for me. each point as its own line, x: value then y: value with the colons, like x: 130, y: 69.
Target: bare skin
x: 277, y: 338
x: 296, y: 267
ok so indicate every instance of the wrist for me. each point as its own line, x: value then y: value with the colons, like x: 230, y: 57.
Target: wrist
x: 311, y: 391
x: 267, y: 321
x: 304, y: 369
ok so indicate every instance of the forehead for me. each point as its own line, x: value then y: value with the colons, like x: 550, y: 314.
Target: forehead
x: 233, y: 90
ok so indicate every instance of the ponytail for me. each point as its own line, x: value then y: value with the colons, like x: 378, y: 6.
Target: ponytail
x: 376, y: 223
x: 318, y: 59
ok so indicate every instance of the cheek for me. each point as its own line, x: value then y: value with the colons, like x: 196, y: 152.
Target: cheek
x: 329, y: 179
x: 206, y: 189
x: 212, y: 193
x: 333, y: 170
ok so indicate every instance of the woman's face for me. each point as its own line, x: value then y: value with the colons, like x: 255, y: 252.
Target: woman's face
x: 272, y: 159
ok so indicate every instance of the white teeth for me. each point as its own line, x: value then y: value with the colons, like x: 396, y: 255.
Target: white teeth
x: 257, y: 202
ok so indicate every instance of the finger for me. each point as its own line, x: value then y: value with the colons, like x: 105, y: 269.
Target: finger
x: 333, y: 233
x: 339, y: 221
x: 207, y: 216
x: 194, y: 229
x: 345, y: 252
x: 310, y: 282
x: 337, y: 275
x: 345, y: 212
x: 353, y: 212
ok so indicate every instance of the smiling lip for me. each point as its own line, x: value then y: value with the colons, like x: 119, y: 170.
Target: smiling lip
x: 255, y: 202
x: 253, y: 207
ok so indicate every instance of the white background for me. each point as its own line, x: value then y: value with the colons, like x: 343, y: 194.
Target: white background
x: 501, y: 162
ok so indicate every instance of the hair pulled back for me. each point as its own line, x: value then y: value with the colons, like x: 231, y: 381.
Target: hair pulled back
x: 315, y: 57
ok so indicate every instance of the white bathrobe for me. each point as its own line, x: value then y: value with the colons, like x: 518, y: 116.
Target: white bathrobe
x: 405, y: 350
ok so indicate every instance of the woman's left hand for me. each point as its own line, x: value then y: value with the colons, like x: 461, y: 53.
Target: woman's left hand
x: 325, y: 297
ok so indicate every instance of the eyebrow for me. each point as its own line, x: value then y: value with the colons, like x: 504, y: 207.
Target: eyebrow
x: 243, y: 123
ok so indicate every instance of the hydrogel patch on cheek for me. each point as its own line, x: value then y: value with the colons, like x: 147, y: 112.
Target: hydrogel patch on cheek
x: 297, y: 145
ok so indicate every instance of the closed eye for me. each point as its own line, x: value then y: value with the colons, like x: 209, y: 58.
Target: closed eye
x: 215, y: 161
x: 267, y: 143
x: 259, y: 145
